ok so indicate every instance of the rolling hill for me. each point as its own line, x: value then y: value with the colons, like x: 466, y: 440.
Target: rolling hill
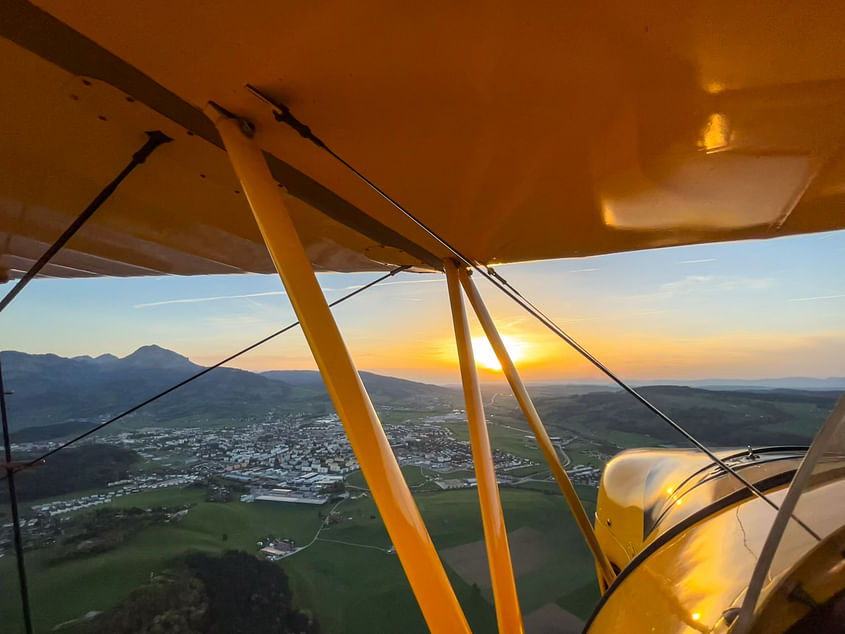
x: 382, y: 389
x: 55, y: 396
x: 716, y: 417
x: 49, y: 390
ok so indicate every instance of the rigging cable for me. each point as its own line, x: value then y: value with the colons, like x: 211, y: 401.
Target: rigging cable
x: 283, y: 114
x: 203, y: 372
x: 13, y: 502
x: 154, y: 139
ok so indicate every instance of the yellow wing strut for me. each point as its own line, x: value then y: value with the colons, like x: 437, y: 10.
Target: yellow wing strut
x: 492, y: 517
x: 602, y: 564
x: 402, y: 518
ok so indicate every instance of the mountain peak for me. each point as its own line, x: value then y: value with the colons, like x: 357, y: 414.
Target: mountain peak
x: 156, y: 356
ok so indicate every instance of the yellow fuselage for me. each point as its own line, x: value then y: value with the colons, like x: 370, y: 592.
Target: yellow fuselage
x: 686, y: 537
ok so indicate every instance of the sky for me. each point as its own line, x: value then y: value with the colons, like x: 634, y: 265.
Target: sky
x: 752, y: 309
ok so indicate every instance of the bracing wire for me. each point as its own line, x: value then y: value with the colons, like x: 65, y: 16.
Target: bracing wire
x: 201, y: 373
x: 282, y: 114
x: 154, y: 139
x: 16, y: 520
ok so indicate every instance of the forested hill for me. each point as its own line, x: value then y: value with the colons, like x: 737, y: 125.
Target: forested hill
x: 90, y: 466
x: 48, y: 389
x: 233, y: 592
x: 716, y: 417
x: 385, y: 389
x: 55, y: 396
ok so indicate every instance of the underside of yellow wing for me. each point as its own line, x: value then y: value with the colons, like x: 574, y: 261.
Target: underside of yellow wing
x: 515, y: 133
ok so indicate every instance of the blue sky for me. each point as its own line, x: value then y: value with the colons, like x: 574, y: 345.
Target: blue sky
x: 750, y: 309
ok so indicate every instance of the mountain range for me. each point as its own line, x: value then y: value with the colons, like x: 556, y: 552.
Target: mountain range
x: 53, y: 396
x: 47, y: 390
x: 784, y: 383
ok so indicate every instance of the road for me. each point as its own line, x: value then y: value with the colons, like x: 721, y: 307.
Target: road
x: 560, y: 446
x: 333, y: 541
x: 319, y: 530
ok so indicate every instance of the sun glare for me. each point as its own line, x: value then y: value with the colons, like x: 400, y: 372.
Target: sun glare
x: 486, y: 358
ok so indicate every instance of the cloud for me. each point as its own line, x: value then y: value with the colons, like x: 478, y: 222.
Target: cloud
x: 691, y: 283
x: 397, y: 283
x: 196, y: 300
x: 817, y: 298
x: 701, y: 261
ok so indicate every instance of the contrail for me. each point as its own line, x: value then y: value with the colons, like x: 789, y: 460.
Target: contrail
x: 812, y: 299
x: 194, y: 300
x: 428, y: 281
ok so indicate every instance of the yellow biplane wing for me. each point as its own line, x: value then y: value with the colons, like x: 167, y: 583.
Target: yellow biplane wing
x: 517, y: 133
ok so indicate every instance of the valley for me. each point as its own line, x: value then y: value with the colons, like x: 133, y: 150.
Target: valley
x: 236, y: 457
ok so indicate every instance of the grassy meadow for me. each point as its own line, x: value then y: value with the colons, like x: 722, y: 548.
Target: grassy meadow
x: 345, y: 578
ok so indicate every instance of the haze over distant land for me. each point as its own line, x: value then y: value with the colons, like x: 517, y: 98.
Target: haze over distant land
x: 55, y: 396
x: 140, y: 495
x: 783, y: 383
x: 743, y: 310
x: 48, y: 389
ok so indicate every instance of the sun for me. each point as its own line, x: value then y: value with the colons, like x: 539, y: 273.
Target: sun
x: 486, y: 358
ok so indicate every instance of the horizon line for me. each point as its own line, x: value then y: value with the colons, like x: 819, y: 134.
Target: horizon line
x: 489, y: 377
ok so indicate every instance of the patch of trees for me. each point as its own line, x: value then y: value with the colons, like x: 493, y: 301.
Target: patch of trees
x: 721, y: 418
x: 40, y: 433
x: 75, y: 469
x: 106, y: 529
x: 216, y: 493
x: 713, y: 425
x: 231, y: 593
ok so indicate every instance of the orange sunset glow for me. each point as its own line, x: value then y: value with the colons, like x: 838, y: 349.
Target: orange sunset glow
x: 486, y: 357
x: 710, y: 311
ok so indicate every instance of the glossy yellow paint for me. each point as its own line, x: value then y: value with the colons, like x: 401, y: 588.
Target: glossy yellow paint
x: 622, y: 498
x: 390, y: 491
x: 646, y: 492
x: 493, y: 520
x: 562, y: 130
x: 604, y: 571
x: 690, y: 579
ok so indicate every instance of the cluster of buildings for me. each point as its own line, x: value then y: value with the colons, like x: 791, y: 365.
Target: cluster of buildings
x: 433, y: 446
x: 299, y: 458
x: 584, y: 474
x: 292, y: 458
x: 137, y: 484
x: 302, y: 459
x: 274, y: 549
x: 37, y: 531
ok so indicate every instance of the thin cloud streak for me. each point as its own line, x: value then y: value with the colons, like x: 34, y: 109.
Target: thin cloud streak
x: 817, y: 298
x: 398, y: 283
x: 701, y: 261
x: 195, y: 300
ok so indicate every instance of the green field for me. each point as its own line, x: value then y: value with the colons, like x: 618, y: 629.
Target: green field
x: 351, y: 588
x: 416, y: 477
x: 515, y: 438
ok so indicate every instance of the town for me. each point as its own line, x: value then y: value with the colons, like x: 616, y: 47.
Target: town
x: 294, y: 459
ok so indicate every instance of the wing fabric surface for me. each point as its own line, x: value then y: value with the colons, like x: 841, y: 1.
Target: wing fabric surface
x: 516, y: 135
